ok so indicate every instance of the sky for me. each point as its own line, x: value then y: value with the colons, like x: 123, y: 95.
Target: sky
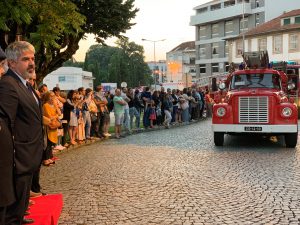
x: 156, y: 20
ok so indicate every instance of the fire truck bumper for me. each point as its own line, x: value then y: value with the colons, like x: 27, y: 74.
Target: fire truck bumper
x: 243, y: 128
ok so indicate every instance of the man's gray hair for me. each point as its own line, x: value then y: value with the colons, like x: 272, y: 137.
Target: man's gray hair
x: 15, y: 49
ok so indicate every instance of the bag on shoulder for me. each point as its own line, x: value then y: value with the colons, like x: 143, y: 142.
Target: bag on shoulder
x: 184, y: 105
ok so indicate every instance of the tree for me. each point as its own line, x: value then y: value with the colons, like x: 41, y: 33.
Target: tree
x: 73, y: 63
x: 97, y: 61
x: 118, y: 64
x: 55, y: 27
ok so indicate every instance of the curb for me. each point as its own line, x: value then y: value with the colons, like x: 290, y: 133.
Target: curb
x: 134, y: 132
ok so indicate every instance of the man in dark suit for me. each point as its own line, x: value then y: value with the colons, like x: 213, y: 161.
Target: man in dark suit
x: 7, y: 196
x: 21, y: 109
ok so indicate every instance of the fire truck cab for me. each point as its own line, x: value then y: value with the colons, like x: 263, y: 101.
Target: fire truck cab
x: 256, y: 102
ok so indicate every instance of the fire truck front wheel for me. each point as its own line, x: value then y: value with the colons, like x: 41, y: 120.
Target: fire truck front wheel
x: 219, y: 138
x: 291, y: 140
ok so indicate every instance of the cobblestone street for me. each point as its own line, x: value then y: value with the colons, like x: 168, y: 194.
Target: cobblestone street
x: 177, y: 176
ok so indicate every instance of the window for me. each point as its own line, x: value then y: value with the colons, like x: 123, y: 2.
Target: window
x: 277, y: 44
x: 297, y: 19
x: 243, y: 24
x: 229, y: 3
x: 215, y: 7
x: 202, y: 52
x: 227, y: 66
x: 257, y: 19
x: 249, y: 45
x: 226, y: 48
x: 202, y: 10
x: 228, y: 27
x: 215, y: 30
x: 202, y: 32
x: 192, y: 70
x: 67, y: 79
x: 262, y: 44
x: 192, y: 60
x: 61, y: 79
x: 202, y: 68
x: 241, y: 1
x: 286, y: 21
x: 215, y: 50
x: 293, y: 42
x: 263, y: 80
x: 256, y: 3
x: 215, y: 67
x: 239, y: 48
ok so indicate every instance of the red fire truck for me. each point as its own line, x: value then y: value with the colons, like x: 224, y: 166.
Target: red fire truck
x: 256, y: 102
x: 292, y: 70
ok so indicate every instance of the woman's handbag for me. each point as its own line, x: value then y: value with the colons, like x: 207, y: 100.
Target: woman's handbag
x: 54, y: 124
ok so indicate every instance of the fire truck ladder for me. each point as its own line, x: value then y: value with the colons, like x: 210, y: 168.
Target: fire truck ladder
x: 256, y: 60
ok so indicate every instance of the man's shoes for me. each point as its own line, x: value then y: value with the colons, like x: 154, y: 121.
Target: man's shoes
x: 27, y: 221
x: 35, y: 194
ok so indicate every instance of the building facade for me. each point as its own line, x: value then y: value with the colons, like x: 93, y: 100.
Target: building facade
x: 69, y: 78
x: 181, y: 63
x: 280, y: 37
x: 218, y: 20
x: 158, y: 69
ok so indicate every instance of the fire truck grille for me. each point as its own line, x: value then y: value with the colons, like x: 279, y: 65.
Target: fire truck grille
x: 253, y: 109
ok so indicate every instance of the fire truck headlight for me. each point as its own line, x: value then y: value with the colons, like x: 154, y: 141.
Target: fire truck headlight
x: 221, y: 112
x: 286, y: 112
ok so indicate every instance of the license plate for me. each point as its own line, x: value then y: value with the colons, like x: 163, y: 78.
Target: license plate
x: 253, y: 128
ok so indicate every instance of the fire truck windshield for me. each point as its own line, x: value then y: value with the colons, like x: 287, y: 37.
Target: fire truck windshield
x: 263, y: 80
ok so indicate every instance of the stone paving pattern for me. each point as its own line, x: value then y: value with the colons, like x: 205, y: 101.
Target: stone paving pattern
x: 177, y: 176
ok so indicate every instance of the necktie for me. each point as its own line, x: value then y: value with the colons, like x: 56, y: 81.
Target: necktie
x: 28, y: 86
x: 31, y: 92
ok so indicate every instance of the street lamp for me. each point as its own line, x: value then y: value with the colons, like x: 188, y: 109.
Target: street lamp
x: 143, y: 39
x: 244, y: 33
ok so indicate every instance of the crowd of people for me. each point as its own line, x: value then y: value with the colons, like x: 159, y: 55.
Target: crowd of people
x: 35, y: 122
x: 84, y: 114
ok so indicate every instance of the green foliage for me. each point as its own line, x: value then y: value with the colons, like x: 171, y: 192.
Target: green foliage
x: 118, y: 64
x: 55, y: 27
x: 73, y: 64
x: 107, y: 18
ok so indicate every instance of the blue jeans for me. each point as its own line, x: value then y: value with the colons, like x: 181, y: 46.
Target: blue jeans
x: 127, y: 119
x: 185, y: 115
x: 175, y: 108
x: 134, y: 113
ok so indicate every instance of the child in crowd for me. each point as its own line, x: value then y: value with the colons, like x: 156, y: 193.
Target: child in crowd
x: 152, y: 113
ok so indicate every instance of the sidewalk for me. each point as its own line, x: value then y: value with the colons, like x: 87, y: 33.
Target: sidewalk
x: 124, y: 133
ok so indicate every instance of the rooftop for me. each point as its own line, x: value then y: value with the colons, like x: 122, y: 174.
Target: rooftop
x: 275, y: 25
x: 185, y: 46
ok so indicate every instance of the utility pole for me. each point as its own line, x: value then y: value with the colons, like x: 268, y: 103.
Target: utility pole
x: 154, y: 56
x: 243, y: 32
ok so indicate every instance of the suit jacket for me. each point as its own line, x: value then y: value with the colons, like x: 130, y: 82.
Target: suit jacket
x: 7, y: 196
x: 24, y: 116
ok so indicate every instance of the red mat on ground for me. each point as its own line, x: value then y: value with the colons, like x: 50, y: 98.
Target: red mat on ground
x: 46, y: 210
